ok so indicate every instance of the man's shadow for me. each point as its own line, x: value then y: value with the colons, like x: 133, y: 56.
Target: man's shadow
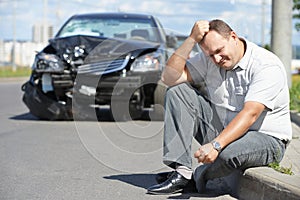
x: 147, y: 180
x: 138, y: 180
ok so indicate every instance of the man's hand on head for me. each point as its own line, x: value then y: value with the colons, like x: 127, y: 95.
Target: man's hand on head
x: 200, y: 28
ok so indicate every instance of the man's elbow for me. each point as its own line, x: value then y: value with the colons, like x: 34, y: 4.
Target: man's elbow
x: 172, y: 77
x: 254, y: 110
x: 168, y: 78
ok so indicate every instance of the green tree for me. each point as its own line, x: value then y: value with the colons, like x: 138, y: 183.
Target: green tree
x: 296, y: 14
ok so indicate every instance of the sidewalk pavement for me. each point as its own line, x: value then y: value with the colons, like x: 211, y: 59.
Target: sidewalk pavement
x: 266, y: 183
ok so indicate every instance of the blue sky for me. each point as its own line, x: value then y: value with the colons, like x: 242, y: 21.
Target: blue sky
x: 244, y: 16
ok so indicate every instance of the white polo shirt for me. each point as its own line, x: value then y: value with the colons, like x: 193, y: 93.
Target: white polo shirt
x: 259, y: 76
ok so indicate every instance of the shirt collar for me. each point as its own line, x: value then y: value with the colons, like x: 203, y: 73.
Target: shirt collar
x: 243, y: 63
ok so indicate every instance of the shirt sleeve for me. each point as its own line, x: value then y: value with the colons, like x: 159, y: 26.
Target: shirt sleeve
x: 266, y: 85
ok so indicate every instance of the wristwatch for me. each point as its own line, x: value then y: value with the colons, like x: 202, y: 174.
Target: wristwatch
x: 216, y: 146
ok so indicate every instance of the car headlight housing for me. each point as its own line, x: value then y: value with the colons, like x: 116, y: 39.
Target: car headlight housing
x: 148, y: 62
x: 48, y: 63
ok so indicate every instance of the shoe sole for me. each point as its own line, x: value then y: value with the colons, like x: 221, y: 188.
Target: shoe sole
x: 160, y: 193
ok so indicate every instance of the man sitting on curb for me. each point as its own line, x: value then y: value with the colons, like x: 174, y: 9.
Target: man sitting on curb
x: 242, y: 122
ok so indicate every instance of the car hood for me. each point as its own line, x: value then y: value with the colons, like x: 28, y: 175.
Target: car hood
x: 99, y: 49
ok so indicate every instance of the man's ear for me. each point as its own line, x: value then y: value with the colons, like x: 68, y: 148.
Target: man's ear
x: 233, y: 35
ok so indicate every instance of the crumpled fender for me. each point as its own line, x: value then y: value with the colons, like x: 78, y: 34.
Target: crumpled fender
x: 42, y: 106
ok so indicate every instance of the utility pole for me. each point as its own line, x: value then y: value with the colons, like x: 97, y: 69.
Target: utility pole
x: 45, y: 22
x: 13, y: 50
x: 281, y: 40
x: 57, y: 16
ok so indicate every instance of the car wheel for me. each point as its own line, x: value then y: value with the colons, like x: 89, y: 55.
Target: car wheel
x: 124, y: 111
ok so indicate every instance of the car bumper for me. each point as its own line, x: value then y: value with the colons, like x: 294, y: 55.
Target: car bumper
x: 120, y: 87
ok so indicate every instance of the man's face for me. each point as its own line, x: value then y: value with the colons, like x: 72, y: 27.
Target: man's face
x: 222, y: 51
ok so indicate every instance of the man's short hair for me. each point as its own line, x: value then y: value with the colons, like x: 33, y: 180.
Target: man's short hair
x: 220, y: 27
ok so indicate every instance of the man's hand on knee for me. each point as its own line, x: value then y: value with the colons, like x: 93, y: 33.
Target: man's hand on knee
x: 206, y: 154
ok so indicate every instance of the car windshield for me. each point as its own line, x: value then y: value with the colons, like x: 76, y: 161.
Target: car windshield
x: 125, y: 28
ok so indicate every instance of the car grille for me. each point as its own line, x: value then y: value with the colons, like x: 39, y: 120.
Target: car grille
x: 104, y: 67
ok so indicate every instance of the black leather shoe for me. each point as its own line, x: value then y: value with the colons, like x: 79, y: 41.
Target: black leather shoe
x: 162, y: 177
x: 175, y: 183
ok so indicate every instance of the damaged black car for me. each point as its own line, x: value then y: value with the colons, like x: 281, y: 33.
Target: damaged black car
x: 96, y: 60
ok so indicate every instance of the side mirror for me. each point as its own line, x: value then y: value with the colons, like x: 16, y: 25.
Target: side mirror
x: 171, y: 41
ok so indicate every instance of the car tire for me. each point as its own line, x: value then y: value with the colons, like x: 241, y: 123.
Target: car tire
x: 124, y: 111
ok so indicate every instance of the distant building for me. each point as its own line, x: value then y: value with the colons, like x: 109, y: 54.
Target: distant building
x: 38, y: 33
x: 24, y: 52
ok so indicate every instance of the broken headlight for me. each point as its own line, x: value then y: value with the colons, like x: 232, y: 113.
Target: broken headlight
x: 48, y: 63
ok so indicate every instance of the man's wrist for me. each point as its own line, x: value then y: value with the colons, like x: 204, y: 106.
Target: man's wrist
x: 216, y: 145
x: 192, y: 40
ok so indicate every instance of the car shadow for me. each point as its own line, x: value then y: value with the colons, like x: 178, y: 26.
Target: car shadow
x: 104, y: 116
x: 147, y: 180
x: 25, y: 116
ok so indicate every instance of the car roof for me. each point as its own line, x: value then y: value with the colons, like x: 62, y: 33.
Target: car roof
x: 113, y: 15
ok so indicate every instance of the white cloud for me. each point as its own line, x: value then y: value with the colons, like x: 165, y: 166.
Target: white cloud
x: 254, y: 2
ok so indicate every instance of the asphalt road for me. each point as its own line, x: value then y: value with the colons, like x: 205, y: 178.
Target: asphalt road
x: 77, y: 159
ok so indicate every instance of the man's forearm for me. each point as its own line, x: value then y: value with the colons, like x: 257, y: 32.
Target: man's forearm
x: 241, y: 123
x: 235, y: 129
x: 175, y: 70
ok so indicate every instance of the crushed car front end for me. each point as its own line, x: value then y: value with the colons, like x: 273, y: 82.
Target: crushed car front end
x: 113, y: 59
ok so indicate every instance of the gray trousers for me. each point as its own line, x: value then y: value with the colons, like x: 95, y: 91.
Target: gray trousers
x: 189, y: 115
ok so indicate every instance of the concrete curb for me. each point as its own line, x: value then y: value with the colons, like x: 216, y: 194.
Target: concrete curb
x: 265, y: 183
x: 295, y: 117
